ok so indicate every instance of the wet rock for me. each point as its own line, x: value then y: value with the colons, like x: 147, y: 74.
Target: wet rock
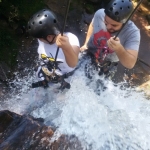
x: 98, y: 4
x: 66, y: 142
x: 26, y: 132
x: 99, y: 1
x: 148, y: 18
x: 1, y: 90
x: 4, y: 69
x: 57, y: 6
x: 87, y: 18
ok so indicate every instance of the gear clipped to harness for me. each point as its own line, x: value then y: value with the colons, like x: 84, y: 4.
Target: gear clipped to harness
x: 48, y: 72
x: 100, y: 63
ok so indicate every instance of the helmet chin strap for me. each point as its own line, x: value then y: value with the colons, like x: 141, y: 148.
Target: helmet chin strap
x: 52, y: 41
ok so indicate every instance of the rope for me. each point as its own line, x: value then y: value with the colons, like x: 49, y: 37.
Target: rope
x: 66, y: 14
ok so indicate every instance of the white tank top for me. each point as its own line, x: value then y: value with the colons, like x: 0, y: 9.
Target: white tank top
x: 50, y: 51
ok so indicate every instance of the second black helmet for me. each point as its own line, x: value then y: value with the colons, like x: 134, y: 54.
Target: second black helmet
x: 119, y: 10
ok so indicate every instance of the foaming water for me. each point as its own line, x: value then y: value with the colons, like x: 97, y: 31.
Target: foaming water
x: 115, y: 118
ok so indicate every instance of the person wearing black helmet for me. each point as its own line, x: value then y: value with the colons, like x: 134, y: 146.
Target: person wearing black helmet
x: 102, y: 30
x: 44, y: 26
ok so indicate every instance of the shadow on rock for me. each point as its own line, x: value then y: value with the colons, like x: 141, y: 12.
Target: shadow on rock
x: 26, y: 132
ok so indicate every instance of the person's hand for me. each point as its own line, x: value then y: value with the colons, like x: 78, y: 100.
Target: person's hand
x: 83, y: 48
x: 62, y: 41
x: 114, y: 44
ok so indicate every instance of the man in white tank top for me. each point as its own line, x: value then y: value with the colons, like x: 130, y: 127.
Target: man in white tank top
x: 44, y: 26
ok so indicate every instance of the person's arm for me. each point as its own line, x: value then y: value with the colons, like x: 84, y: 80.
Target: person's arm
x: 89, y: 33
x: 70, y: 51
x: 127, y: 57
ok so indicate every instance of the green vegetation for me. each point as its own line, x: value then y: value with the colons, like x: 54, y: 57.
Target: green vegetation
x: 89, y: 8
x: 75, y: 4
x: 19, y: 9
x: 8, y: 47
x: 82, y: 4
x: 14, y: 14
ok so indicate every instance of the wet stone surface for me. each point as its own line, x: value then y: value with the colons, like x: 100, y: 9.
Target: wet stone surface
x: 26, y: 132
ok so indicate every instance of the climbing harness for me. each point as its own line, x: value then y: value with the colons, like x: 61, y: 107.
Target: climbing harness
x: 48, y: 72
x: 101, y: 64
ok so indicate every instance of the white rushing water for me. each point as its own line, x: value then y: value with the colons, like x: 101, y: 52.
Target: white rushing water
x: 114, y: 120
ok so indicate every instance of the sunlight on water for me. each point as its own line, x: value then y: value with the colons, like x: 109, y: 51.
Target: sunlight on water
x: 113, y: 119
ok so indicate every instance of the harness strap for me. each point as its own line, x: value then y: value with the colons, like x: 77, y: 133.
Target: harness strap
x: 43, y: 83
x: 66, y: 75
x: 55, y: 79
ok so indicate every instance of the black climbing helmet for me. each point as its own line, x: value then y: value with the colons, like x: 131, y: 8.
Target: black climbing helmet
x: 43, y: 23
x: 119, y: 10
